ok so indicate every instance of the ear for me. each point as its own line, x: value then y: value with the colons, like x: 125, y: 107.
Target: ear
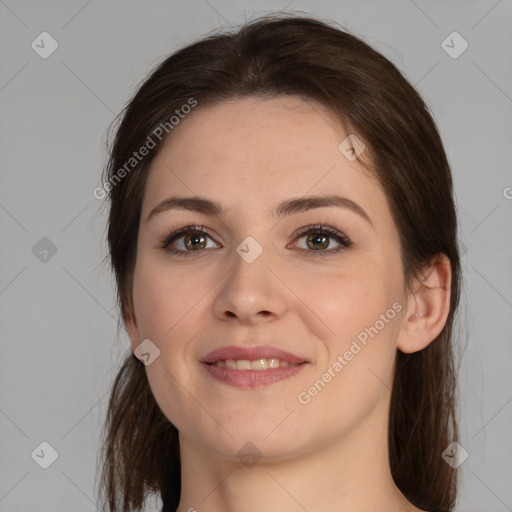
x: 130, y: 323
x: 428, y: 306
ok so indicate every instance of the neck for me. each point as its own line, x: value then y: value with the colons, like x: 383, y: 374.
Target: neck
x: 350, y: 473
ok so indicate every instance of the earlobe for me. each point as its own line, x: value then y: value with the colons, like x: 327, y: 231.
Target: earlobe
x: 427, y: 308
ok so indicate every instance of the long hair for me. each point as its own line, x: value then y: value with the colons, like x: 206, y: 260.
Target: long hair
x: 291, y: 55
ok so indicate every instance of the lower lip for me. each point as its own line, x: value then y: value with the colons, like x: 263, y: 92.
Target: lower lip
x: 252, y: 378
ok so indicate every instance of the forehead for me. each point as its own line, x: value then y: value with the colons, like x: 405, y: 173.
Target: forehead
x: 252, y: 153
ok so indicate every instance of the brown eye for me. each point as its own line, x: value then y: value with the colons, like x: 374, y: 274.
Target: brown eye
x: 318, y: 241
x: 186, y: 240
x: 319, y: 238
x: 195, y: 241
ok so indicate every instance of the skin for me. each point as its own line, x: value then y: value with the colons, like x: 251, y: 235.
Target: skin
x: 330, y: 454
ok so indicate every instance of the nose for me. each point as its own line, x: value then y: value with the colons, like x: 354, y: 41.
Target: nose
x: 251, y: 292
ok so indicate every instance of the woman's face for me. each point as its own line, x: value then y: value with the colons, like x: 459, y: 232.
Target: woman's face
x: 255, y: 278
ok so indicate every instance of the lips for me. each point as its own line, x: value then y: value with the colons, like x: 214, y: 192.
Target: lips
x: 251, y: 354
x: 252, y: 367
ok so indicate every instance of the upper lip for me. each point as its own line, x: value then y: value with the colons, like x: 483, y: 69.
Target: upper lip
x: 251, y: 354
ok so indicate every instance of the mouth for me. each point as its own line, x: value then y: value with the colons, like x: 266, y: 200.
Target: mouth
x: 263, y: 357
x: 255, y: 364
x: 250, y: 367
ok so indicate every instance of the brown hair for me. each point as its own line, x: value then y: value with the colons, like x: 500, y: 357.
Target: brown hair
x: 284, y: 55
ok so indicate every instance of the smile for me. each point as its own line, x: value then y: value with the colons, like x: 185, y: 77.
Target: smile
x: 256, y: 364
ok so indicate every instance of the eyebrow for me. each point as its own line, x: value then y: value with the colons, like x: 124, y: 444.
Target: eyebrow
x: 288, y: 207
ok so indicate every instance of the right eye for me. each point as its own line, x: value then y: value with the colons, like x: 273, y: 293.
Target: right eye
x: 192, y: 239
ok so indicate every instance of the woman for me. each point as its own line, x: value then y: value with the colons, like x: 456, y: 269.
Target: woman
x: 283, y: 235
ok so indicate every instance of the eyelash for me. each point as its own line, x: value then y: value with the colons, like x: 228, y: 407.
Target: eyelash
x: 343, y: 240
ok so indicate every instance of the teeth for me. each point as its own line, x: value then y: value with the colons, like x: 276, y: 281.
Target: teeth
x: 273, y: 363
x: 243, y: 364
x: 257, y: 364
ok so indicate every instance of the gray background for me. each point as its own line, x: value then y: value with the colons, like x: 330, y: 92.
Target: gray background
x: 58, y: 317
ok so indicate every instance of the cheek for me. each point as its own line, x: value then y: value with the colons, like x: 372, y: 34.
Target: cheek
x: 361, y: 312
x: 163, y: 298
x: 166, y: 303
x: 346, y: 302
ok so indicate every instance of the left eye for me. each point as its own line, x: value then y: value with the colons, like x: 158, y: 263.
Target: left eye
x: 318, y: 239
